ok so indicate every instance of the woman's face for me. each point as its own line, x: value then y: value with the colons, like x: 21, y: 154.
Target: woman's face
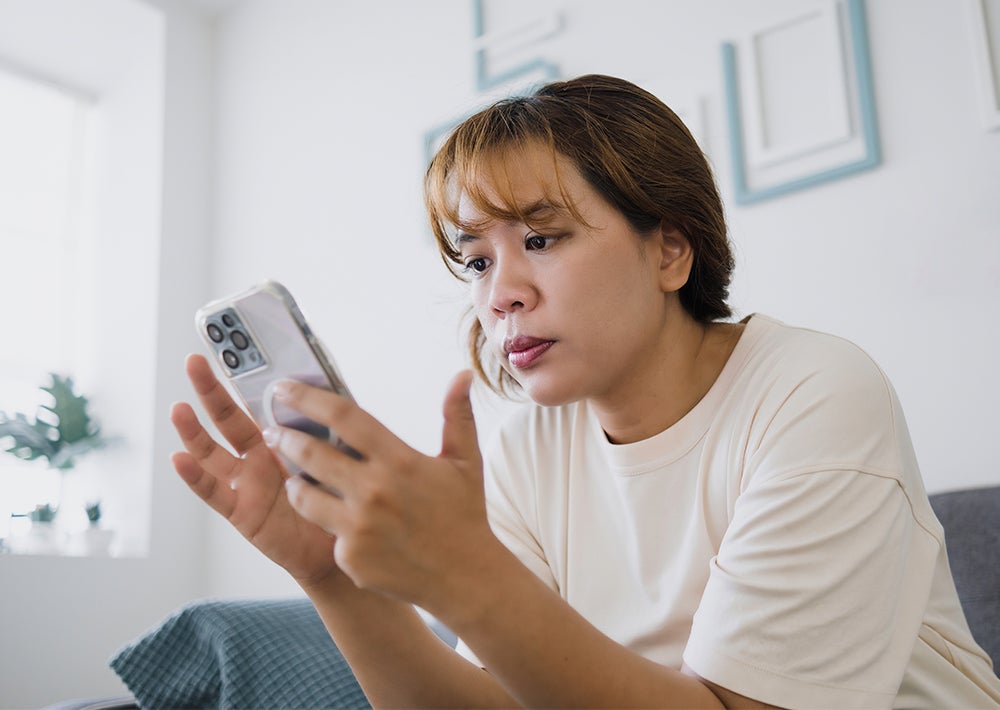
x: 573, y: 308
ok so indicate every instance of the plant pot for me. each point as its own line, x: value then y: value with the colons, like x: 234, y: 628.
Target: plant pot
x: 96, y: 541
x: 41, y: 538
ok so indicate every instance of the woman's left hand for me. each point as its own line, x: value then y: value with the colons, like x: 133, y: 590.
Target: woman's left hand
x: 406, y: 524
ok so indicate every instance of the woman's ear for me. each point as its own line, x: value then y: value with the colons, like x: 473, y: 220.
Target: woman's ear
x: 676, y: 258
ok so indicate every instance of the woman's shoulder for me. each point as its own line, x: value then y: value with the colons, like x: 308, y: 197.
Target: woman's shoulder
x: 814, y: 399
x: 806, y: 355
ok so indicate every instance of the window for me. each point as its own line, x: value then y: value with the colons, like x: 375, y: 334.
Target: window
x: 90, y: 260
x: 46, y: 139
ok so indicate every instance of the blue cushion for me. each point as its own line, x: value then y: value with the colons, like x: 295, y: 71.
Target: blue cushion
x: 239, y: 654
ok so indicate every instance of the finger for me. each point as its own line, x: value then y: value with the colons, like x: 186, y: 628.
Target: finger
x: 325, y: 463
x: 205, y: 450
x: 355, y: 426
x: 316, y: 506
x: 459, y: 439
x: 219, y: 496
x: 230, y: 419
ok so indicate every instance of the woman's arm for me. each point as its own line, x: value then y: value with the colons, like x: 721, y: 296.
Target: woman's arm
x: 414, y: 528
x: 396, y: 657
x: 398, y: 660
x: 547, y: 655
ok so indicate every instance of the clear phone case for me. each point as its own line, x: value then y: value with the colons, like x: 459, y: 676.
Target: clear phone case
x: 258, y: 337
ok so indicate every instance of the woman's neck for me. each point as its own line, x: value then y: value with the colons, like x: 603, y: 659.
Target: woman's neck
x: 688, y: 360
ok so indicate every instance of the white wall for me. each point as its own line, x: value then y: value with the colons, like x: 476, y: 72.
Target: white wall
x: 61, y: 619
x: 322, y: 109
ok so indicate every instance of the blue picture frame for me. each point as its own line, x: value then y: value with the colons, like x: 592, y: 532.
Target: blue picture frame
x: 541, y: 69
x: 868, y: 127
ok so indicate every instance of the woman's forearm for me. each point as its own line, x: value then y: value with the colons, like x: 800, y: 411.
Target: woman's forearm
x: 398, y: 660
x: 546, y: 655
x: 539, y: 652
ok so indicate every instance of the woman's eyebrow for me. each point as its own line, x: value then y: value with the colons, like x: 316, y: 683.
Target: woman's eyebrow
x: 465, y: 238
x: 541, y: 210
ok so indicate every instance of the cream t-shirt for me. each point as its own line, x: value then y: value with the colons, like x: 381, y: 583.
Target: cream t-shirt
x: 777, y: 539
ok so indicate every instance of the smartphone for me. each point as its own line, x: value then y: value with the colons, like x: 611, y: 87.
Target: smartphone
x: 258, y: 337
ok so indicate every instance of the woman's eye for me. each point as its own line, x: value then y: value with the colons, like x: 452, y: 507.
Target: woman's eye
x: 477, y: 265
x: 536, y: 242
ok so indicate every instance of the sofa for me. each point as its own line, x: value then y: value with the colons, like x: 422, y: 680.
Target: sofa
x: 277, y: 654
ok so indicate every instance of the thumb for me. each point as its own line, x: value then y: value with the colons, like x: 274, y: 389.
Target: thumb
x: 459, y: 440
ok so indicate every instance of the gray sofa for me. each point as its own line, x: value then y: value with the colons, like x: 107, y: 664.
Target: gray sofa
x: 276, y: 654
x: 971, y: 520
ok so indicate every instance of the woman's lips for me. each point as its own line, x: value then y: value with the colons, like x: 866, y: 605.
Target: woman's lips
x: 524, y: 350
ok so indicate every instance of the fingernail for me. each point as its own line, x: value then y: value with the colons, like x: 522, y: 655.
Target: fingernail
x: 271, y: 436
x: 282, y: 389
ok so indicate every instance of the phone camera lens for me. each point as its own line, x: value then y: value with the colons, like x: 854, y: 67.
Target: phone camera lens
x: 215, y: 332
x: 228, y: 320
x: 231, y: 359
x: 239, y: 340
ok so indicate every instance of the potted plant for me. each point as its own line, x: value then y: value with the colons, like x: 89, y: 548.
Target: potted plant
x: 60, y: 432
x: 95, y: 540
x: 44, y: 538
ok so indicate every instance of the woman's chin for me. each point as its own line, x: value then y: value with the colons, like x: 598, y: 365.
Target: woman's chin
x: 548, y: 393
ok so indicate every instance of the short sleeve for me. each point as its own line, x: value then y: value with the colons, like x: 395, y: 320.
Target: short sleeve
x: 817, y: 593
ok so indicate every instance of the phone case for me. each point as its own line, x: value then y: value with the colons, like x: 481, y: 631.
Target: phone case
x: 258, y: 337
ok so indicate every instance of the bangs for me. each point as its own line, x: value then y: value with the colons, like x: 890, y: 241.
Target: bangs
x: 477, y: 164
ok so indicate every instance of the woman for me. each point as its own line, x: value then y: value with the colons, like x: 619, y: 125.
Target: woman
x: 694, y: 513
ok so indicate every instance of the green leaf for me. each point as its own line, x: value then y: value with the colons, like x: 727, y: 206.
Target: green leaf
x: 70, y: 411
x: 60, y: 432
x: 31, y: 439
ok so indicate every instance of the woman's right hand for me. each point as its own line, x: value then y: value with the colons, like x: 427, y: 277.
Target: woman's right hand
x: 248, y: 490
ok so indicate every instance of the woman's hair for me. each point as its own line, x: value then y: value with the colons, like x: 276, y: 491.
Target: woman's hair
x: 627, y: 144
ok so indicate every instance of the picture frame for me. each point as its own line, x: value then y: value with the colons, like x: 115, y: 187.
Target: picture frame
x: 799, y: 100
x: 520, y: 79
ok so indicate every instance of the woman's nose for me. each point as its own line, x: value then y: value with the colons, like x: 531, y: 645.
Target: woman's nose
x: 512, y: 288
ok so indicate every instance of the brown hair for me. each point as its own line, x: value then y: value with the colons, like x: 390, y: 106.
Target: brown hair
x: 627, y: 144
